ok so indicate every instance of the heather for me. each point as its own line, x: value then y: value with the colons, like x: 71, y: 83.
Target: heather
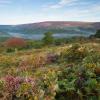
x: 51, y: 72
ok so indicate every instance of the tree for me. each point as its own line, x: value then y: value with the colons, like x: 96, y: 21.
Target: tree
x: 97, y: 34
x: 48, y: 38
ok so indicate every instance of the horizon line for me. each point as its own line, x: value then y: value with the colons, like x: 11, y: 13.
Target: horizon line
x: 47, y: 21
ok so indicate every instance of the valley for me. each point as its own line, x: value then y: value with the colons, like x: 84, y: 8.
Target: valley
x: 59, y: 29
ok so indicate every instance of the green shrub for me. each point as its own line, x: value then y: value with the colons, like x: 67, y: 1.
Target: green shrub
x: 9, y: 50
x: 77, y: 83
x: 34, y: 44
x: 92, y: 60
x: 76, y: 53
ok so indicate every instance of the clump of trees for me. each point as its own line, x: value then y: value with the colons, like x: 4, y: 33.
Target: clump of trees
x: 97, y: 34
x: 48, y: 38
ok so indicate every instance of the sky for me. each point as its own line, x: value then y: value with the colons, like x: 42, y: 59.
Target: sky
x: 29, y: 11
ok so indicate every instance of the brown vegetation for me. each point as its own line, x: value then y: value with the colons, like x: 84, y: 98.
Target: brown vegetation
x: 15, y: 42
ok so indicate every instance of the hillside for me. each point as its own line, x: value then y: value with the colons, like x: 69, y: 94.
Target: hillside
x: 57, y: 27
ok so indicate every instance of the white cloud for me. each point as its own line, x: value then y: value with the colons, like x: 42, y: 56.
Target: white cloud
x: 73, y: 11
x: 60, y: 4
x: 90, y: 13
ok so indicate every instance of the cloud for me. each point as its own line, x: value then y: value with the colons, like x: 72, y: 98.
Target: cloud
x: 90, y: 13
x: 60, y: 4
x: 5, y: 2
x: 73, y: 10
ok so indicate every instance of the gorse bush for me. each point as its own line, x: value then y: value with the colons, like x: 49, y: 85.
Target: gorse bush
x: 8, y: 61
x: 75, y: 53
x: 92, y: 60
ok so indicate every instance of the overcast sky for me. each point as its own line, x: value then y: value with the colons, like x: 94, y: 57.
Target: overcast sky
x: 29, y: 11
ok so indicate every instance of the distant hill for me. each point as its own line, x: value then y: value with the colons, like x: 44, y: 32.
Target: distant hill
x: 67, y: 27
x: 59, y: 24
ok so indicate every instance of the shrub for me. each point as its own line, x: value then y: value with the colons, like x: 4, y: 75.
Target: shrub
x: 9, y: 50
x: 92, y: 60
x: 48, y: 84
x: 52, y: 58
x: 15, y: 43
x: 8, y: 61
x: 34, y: 44
x: 34, y: 61
x: 77, y: 82
x: 76, y: 53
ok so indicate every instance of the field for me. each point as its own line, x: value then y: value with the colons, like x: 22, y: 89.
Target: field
x: 69, y: 71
